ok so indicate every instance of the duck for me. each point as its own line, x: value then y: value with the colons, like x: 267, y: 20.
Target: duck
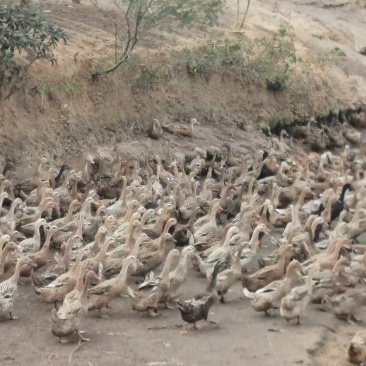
x: 149, y: 303
x: 210, y: 228
x: 66, y: 320
x: 228, y: 277
x: 28, y: 185
x: 327, y: 282
x: 33, y: 244
x: 231, y: 160
x: 294, y: 303
x: 267, y: 297
x: 250, y: 254
x: 346, y: 304
x: 101, y: 295
x: 196, y: 309
x: 356, y: 351
x: 9, y: 288
x: 178, y: 276
x: 151, y: 260
x: 7, y: 249
x: 155, y: 131
x: 40, y: 258
x: 317, y: 143
x: 57, y: 290
x: 266, y: 275
x: 182, y: 131
x: 350, y: 134
x: 303, y: 132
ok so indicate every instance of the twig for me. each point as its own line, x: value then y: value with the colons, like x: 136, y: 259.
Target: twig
x: 273, y: 352
x: 324, y: 5
x: 172, y: 326
x: 75, y: 350
x: 245, y: 16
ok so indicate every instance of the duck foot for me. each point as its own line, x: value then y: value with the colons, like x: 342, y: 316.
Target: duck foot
x: 196, y: 327
x: 169, y: 306
x: 212, y: 322
x: 102, y: 315
x: 222, y: 300
x: 83, y: 339
x: 153, y: 312
x: 351, y: 319
x: 12, y: 317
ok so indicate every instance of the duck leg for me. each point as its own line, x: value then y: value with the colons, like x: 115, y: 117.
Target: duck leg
x: 102, y: 315
x: 83, y: 339
x: 12, y: 317
x: 222, y: 299
x: 298, y: 321
x: 196, y: 327
x: 153, y: 312
x: 212, y: 322
x: 349, y: 319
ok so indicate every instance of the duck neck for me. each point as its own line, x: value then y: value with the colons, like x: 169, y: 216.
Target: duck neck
x: 103, y: 251
x: 37, y: 234
x: 79, y: 231
x: 301, y: 199
x: 162, y: 245
x: 68, y: 217
x: 46, y: 245
x: 2, y: 197
x: 85, y: 286
x: 254, y: 240
x: 136, y: 246
x: 66, y: 259
x: 11, y: 213
x: 18, y: 269
x: 122, y: 276
x: 123, y: 196
x: 165, y: 272
x: 236, y: 266
x: 4, y: 255
x: 99, y: 238
x: 182, y: 266
x: 130, y: 239
x: 344, y: 189
x: 38, y: 171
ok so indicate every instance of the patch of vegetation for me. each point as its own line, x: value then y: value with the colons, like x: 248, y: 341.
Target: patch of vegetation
x: 149, y: 76
x: 23, y: 30
x: 141, y: 18
x: 277, y: 121
x: 70, y: 87
x: 335, y: 56
x: 47, y: 91
x: 317, y: 35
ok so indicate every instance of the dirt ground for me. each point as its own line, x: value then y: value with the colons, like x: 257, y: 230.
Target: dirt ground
x: 94, y: 120
x: 129, y: 338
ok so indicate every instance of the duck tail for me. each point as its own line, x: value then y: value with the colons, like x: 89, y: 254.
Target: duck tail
x: 248, y: 294
x: 131, y: 293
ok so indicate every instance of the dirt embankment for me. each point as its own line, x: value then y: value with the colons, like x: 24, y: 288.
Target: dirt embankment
x: 59, y: 111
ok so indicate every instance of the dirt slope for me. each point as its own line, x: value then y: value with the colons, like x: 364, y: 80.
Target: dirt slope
x: 78, y: 114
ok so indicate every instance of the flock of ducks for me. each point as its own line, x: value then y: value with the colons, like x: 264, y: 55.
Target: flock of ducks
x: 84, y: 238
